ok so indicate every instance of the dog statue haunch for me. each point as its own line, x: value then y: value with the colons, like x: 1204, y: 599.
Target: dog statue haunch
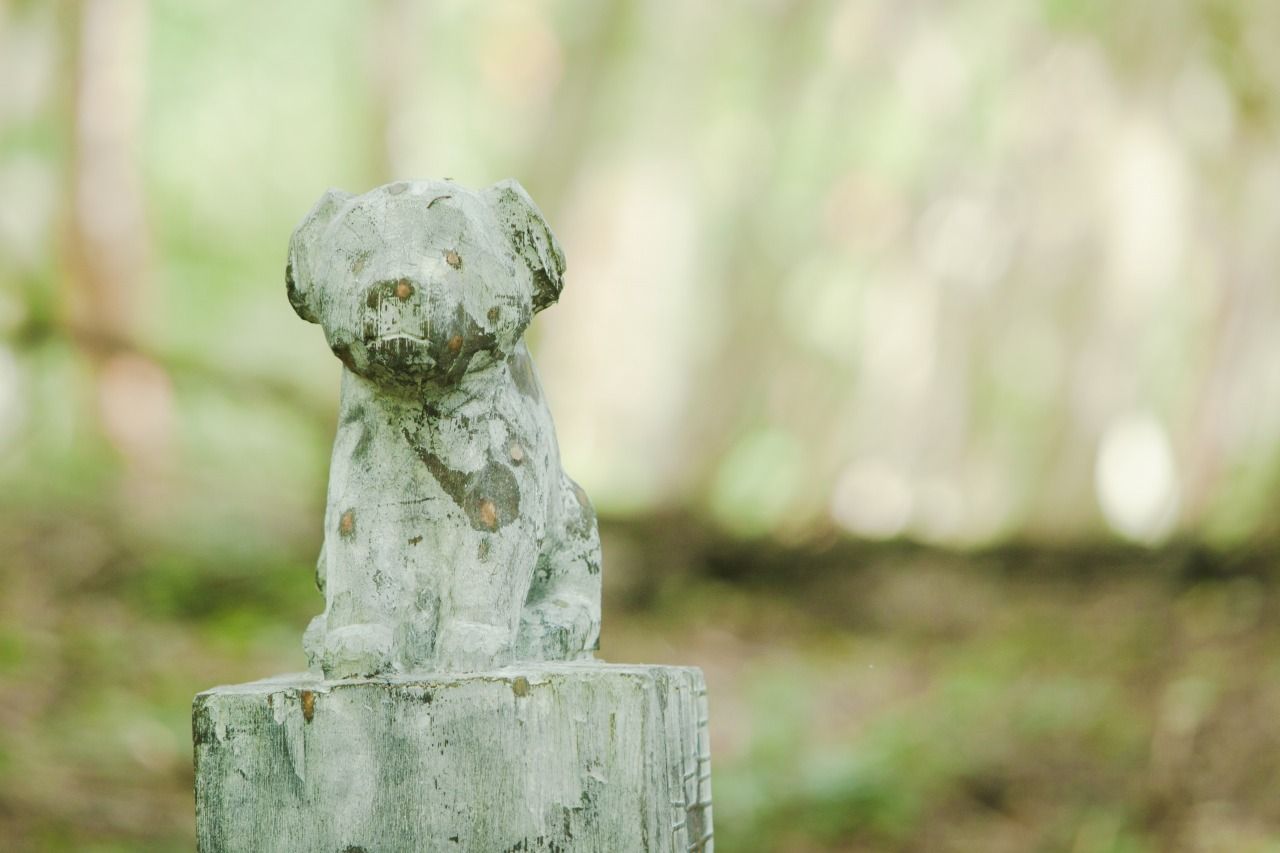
x: 453, y: 541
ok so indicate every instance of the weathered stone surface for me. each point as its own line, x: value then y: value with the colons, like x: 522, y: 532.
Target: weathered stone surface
x: 453, y: 541
x: 543, y: 757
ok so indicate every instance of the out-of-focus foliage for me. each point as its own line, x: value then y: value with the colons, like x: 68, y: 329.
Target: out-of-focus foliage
x: 950, y: 270
x: 960, y: 272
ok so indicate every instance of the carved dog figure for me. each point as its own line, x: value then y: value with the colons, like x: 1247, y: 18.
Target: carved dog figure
x: 452, y: 538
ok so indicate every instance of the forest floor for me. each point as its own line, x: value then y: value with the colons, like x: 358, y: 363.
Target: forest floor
x: 862, y: 697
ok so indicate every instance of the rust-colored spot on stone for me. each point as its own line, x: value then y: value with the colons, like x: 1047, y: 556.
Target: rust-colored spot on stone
x: 455, y: 344
x: 308, y: 705
x: 520, y: 686
x: 453, y: 259
x: 415, y: 540
x: 404, y: 289
x: 488, y: 513
x: 517, y: 452
x: 493, y: 314
x: 347, y: 524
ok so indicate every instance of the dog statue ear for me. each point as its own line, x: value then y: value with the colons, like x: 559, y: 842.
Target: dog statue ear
x: 300, y: 276
x: 531, y: 237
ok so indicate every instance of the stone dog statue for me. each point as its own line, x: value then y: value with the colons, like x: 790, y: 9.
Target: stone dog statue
x: 453, y: 541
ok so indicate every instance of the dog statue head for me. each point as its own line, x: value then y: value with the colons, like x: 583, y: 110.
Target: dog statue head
x: 419, y: 283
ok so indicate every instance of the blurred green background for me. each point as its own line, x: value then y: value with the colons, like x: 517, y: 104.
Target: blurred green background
x: 922, y: 359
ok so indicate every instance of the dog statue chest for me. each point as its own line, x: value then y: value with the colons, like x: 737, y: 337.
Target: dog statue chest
x: 480, y: 462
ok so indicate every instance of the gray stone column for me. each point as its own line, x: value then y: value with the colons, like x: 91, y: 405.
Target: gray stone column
x: 549, y: 757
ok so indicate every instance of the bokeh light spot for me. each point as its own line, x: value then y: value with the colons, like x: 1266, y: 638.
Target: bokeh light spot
x: 1136, y: 480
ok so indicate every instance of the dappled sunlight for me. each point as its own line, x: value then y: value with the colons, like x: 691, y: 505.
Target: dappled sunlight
x: 872, y: 499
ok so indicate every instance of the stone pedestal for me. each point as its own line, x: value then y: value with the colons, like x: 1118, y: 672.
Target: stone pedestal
x: 538, y: 757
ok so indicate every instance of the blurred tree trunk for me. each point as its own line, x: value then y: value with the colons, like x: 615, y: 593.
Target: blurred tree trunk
x: 733, y: 387
x: 107, y: 240
x: 581, y: 103
x: 105, y: 303
x: 392, y: 61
